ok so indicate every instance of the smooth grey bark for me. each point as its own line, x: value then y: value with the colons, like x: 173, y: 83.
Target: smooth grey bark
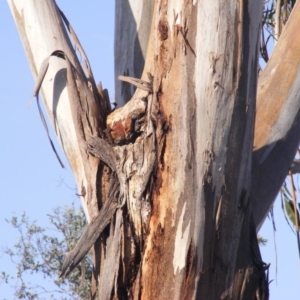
x: 132, y: 29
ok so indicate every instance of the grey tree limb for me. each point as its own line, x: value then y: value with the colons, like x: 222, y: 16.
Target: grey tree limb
x: 93, y: 230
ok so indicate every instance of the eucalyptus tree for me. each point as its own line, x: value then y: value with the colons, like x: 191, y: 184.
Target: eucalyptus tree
x: 177, y: 180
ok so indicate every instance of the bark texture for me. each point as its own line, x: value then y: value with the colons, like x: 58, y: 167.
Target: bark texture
x: 204, y: 62
x: 277, y: 126
x: 169, y: 181
x: 132, y: 28
x: 73, y: 107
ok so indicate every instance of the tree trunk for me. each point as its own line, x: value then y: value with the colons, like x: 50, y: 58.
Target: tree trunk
x: 166, y: 179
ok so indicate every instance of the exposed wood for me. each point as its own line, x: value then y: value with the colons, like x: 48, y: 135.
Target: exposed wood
x: 127, y: 121
x: 208, y: 101
x: 167, y: 180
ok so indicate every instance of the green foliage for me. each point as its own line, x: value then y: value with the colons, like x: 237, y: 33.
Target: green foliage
x: 270, y: 12
x: 261, y: 241
x: 290, y: 211
x: 269, y: 21
x: 40, y: 252
x: 288, y: 205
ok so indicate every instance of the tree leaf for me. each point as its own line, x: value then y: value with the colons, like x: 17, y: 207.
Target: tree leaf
x: 289, y: 208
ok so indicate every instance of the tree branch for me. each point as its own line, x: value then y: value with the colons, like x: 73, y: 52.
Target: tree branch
x: 133, y: 24
x: 277, y: 124
x: 77, y: 114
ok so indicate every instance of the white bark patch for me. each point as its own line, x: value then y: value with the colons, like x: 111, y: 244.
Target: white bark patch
x: 173, y: 10
x: 41, y: 35
x: 273, y: 71
x: 181, y: 243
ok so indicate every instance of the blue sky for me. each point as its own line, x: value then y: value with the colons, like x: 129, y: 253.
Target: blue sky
x: 31, y: 178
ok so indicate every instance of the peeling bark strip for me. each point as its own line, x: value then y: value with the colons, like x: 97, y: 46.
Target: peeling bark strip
x: 166, y: 179
x: 103, y: 150
x: 41, y: 76
x: 141, y: 84
x: 93, y: 231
